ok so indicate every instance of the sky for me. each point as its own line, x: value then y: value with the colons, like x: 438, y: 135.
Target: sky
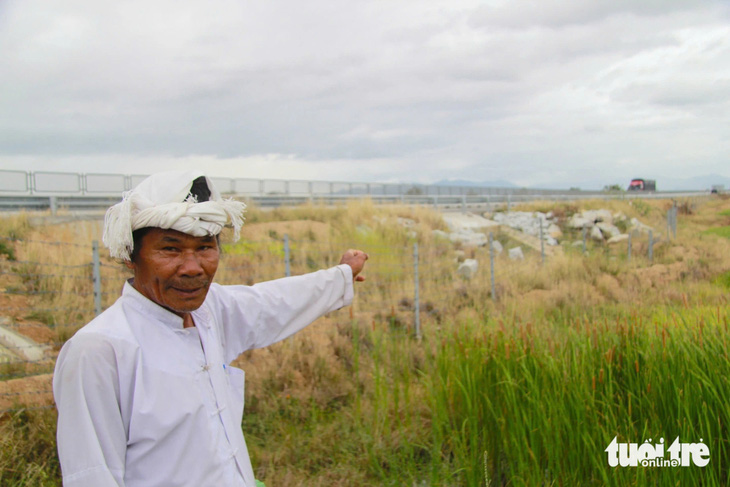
x: 541, y: 93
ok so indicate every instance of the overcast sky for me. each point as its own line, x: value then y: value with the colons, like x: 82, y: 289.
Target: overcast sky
x: 540, y: 93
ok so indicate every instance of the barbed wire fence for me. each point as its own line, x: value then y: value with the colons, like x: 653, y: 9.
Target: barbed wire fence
x: 51, y: 289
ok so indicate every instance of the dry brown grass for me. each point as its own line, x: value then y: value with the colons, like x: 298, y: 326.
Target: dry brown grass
x: 60, y: 272
x: 331, y: 366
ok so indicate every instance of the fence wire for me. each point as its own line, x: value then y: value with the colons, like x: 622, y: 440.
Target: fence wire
x: 49, y: 292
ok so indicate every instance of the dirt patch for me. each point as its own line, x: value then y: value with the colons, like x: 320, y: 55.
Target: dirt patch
x: 28, y: 391
x: 15, y: 308
x: 37, y: 332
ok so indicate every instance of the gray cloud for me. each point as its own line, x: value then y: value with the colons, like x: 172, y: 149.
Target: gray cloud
x: 527, y: 91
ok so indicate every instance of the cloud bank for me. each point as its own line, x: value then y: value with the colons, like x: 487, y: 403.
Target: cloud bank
x: 535, y: 92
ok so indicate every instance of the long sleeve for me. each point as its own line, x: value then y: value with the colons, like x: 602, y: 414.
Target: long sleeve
x: 257, y: 316
x: 91, y: 433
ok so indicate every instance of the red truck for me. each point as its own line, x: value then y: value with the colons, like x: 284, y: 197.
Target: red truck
x: 642, y: 185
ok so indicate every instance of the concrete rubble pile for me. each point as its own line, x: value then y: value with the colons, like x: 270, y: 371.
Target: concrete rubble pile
x: 601, y: 225
x: 471, y: 230
x: 530, y: 222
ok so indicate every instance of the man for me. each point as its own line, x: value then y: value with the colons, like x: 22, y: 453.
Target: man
x: 145, y: 392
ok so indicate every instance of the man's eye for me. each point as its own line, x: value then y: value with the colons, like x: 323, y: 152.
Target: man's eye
x: 170, y: 249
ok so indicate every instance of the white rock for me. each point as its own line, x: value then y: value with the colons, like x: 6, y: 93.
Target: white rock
x: 466, y: 221
x: 598, y: 216
x: 554, y: 231
x: 638, y: 227
x: 596, y: 234
x: 469, y: 237
x: 515, y: 253
x: 608, y: 230
x: 439, y: 234
x: 579, y: 221
x: 497, y: 246
x: 604, y: 216
x: 468, y: 268
x: 525, y: 222
x: 618, y: 238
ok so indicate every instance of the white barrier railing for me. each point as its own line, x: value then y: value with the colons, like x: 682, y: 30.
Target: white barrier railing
x: 97, y: 184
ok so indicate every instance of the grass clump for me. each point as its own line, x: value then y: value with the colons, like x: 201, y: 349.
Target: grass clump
x: 719, y: 231
x: 723, y: 280
x: 7, y: 250
x: 12, y: 228
x: 28, y: 449
x: 15, y: 227
x: 543, y: 409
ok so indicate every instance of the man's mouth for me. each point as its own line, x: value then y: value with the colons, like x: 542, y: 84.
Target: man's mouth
x: 188, y: 291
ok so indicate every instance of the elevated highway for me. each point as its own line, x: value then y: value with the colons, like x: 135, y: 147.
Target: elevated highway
x: 91, y: 193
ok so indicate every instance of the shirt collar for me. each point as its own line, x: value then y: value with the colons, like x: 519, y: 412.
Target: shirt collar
x: 151, y: 309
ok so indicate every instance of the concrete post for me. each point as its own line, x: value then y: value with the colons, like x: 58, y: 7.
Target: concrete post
x: 416, y: 301
x: 96, y: 276
x: 287, y: 259
x: 491, y: 264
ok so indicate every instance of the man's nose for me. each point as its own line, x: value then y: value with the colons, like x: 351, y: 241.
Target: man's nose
x: 190, y: 265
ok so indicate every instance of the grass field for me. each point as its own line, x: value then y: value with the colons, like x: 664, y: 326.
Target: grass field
x: 528, y: 389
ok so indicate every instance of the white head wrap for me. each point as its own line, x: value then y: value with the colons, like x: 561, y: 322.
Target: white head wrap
x: 163, y: 200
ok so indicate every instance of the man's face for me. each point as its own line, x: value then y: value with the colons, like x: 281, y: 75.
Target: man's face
x: 175, y: 269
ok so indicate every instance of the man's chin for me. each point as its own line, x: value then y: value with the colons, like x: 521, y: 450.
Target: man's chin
x: 181, y: 310
x: 186, y: 300
x: 185, y: 306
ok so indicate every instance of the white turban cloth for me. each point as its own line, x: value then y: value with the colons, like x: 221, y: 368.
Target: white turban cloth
x: 163, y: 200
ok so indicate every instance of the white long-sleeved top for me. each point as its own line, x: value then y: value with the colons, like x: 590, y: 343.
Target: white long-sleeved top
x: 142, y: 403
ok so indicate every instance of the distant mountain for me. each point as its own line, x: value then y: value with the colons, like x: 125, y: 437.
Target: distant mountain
x: 482, y: 184
x: 694, y: 183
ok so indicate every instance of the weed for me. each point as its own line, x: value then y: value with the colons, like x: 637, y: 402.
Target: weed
x: 641, y: 207
x: 28, y: 449
x: 723, y: 280
x: 7, y: 250
x: 42, y: 315
x: 719, y: 231
x: 15, y: 227
x: 685, y: 207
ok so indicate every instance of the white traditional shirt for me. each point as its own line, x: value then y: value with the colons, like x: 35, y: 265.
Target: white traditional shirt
x: 142, y: 403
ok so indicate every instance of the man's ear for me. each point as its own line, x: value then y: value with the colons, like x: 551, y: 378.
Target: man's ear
x: 129, y: 264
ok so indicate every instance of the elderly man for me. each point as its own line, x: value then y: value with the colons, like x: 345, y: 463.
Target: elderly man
x: 145, y: 392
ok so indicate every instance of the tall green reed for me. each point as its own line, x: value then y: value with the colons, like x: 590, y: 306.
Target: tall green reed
x: 543, y: 409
